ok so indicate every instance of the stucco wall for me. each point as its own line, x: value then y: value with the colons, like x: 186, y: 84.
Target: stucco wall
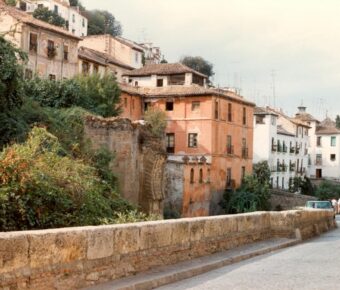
x: 78, y: 257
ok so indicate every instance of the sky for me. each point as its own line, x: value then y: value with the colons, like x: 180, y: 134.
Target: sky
x: 281, y: 53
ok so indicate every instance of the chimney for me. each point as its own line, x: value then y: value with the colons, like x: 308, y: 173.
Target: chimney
x: 302, y: 109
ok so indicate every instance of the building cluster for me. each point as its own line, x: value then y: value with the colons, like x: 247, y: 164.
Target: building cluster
x: 213, y: 136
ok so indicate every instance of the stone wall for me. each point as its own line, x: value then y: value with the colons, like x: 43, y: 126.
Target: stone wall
x: 73, y: 258
x: 286, y: 200
x: 139, y: 161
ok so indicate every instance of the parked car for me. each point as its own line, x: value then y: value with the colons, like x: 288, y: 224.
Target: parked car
x: 322, y: 204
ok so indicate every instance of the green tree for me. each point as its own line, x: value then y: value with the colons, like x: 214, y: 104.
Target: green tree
x: 11, y: 75
x: 102, y: 22
x: 199, y: 64
x: 327, y: 190
x: 11, y: 2
x: 262, y: 172
x: 156, y: 119
x: 51, y: 17
x: 337, y: 121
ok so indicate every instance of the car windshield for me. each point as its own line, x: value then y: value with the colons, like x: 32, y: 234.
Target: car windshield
x: 318, y: 204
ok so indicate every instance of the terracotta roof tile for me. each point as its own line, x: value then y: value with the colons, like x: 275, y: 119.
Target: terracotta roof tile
x: 163, y: 69
x: 327, y: 130
x: 30, y: 20
x: 263, y: 111
x: 182, y: 91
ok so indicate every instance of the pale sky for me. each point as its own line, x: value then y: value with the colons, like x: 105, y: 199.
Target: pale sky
x: 249, y: 42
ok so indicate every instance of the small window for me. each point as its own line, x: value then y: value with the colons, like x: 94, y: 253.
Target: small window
x: 85, y: 67
x: 73, y: 18
x: 192, y: 140
x: 216, y: 109
x: 95, y: 68
x: 28, y: 74
x: 201, y: 176
x: 56, y: 9
x: 52, y: 77
x: 333, y: 141
x: 170, y: 143
x: 51, y: 51
x: 318, y: 141
x: 160, y: 83
x: 230, y: 149
x: 229, y: 177
x: 33, y: 42
x: 125, y: 102
x: 136, y: 57
x: 243, y: 173
x: 136, y: 84
x: 230, y: 118
x: 244, y: 118
x: 133, y: 104
x: 195, y: 106
x: 333, y: 157
x: 192, y: 176
x: 169, y: 106
x: 65, y: 52
x: 83, y: 22
x: 146, y: 106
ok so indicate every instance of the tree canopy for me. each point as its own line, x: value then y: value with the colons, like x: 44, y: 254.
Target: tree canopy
x: 51, y: 17
x: 102, y: 22
x: 199, y: 64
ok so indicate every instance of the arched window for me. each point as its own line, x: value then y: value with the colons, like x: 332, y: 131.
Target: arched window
x: 192, y: 174
x: 201, y: 176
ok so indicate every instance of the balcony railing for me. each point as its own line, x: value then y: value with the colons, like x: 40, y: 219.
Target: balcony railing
x: 297, y: 151
x: 230, y: 150
x: 292, y: 150
x: 292, y: 167
x: 274, y: 147
x: 245, y: 153
x: 279, y: 148
x: 284, y: 149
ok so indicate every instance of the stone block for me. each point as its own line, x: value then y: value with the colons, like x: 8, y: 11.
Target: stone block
x: 100, y: 242
x: 48, y: 248
x: 127, y: 239
x: 180, y: 233
x: 13, y: 252
x: 155, y: 235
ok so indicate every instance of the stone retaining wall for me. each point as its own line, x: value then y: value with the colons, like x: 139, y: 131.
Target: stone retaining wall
x: 286, y: 200
x: 78, y: 257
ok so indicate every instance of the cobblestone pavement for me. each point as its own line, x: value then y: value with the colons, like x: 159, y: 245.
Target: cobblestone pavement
x: 314, y: 264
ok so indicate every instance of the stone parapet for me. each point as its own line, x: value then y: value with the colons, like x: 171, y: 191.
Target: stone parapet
x: 73, y: 258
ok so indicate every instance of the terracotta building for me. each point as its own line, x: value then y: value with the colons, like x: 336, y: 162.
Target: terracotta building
x: 209, y: 135
x: 52, y: 51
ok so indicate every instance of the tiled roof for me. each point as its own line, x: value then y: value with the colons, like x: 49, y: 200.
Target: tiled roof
x: 30, y: 20
x: 182, y: 91
x: 100, y: 57
x: 282, y: 131
x: 327, y: 130
x: 130, y: 43
x: 299, y: 122
x: 305, y: 117
x: 263, y: 111
x: 328, y: 122
x: 163, y: 69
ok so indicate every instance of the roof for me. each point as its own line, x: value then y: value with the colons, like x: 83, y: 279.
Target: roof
x: 263, y: 111
x: 320, y: 130
x: 182, y: 91
x: 100, y: 57
x: 30, y: 20
x: 282, y: 131
x: 163, y: 69
x: 328, y: 122
x: 299, y: 122
x: 130, y: 43
x: 305, y: 117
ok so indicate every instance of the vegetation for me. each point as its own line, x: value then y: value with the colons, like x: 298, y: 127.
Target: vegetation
x: 51, y: 17
x: 253, y: 195
x: 328, y: 190
x: 102, y: 22
x: 302, y: 185
x: 337, y: 121
x: 156, y: 119
x: 199, y: 64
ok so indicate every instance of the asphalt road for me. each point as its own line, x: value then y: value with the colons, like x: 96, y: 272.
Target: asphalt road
x: 314, y: 264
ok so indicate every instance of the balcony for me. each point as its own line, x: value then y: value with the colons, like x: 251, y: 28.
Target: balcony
x: 284, y: 149
x: 292, y: 150
x: 274, y: 147
x: 297, y: 151
x: 279, y: 148
x: 230, y: 150
x: 292, y: 167
x: 245, y: 153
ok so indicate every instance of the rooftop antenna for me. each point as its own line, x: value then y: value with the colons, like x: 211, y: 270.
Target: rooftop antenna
x: 273, y: 74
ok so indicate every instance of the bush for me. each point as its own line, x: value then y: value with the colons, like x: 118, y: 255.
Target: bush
x: 327, y: 190
x: 41, y: 187
x: 156, y: 119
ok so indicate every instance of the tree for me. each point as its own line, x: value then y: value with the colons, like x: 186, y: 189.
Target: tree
x: 51, y: 17
x: 11, y: 75
x: 102, y: 22
x: 156, y: 119
x: 337, y: 121
x: 262, y: 172
x: 199, y: 64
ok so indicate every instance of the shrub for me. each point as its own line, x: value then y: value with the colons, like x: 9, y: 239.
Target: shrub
x: 327, y: 190
x: 156, y: 119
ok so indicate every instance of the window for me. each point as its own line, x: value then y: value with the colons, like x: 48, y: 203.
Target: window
x: 133, y: 104
x: 95, y: 68
x: 52, y: 77
x: 83, y: 22
x: 146, y: 106
x: 195, y: 106
x: 169, y: 106
x: 136, y: 84
x: 192, y: 176
x: 85, y: 67
x: 160, y: 83
x: 318, y: 160
x: 40, y: 6
x: 192, y: 140
x: 318, y: 141
x: 170, y: 143
x: 73, y: 18
x: 73, y: 31
x: 56, y: 9
x: 244, y: 119
x: 333, y: 157
x: 33, y: 42
x: 65, y: 52
x: 243, y: 173
x: 51, y: 52
x: 244, y: 148
x: 229, y: 145
x: 333, y: 141
x: 230, y: 113
x: 125, y: 102
x: 28, y: 74
x: 273, y: 120
x: 228, y: 177
x: 136, y: 57
x: 201, y: 176
x: 23, y: 6
x: 283, y: 182
x: 216, y: 109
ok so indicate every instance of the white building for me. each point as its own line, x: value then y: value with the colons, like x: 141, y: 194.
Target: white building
x: 324, y: 149
x: 76, y: 22
x: 152, y: 53
x: 283, y: 142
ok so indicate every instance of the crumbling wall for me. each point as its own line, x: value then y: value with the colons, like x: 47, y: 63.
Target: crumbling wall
x: 139, y: 159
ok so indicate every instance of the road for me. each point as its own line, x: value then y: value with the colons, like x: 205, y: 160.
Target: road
x: 314, y: 264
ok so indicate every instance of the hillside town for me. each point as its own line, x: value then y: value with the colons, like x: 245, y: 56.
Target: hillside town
x: 215, y: 145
